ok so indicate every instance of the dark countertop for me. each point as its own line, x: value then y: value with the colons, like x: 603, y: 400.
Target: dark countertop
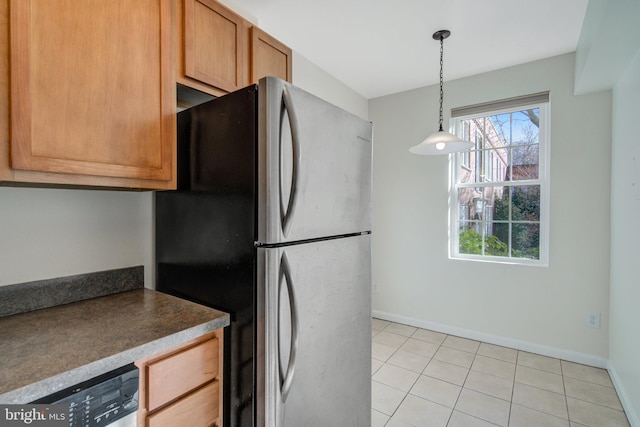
x: 48, y: 350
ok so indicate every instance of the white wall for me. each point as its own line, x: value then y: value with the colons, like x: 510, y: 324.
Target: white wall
x: 312, y: 78
x: 625, y: 236
x: 315, y: 80
x: 540, y: 309
x: 48, y: 233
x: 599, y: 62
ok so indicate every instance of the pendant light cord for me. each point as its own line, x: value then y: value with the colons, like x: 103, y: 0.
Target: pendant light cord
x: 441, y: 79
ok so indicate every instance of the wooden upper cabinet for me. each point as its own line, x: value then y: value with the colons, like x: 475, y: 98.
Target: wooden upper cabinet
x: 213, y: 47
x: 92, y: 93
x: 218, y: 51
x: 269, y: 57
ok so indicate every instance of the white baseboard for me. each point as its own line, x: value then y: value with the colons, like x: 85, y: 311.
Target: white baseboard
x: 571, y: 356
x: 632, y: 415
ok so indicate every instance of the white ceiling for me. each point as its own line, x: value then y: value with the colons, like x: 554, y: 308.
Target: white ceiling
x: 378, y: 47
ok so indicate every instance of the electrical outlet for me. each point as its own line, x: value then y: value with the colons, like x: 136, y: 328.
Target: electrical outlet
x: 593, y: 320
x: 375, y: 287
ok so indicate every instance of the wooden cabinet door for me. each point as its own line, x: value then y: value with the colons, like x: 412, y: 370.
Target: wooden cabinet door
x: 269, y: 57
x: 92, y: 89
x: 214, y: 45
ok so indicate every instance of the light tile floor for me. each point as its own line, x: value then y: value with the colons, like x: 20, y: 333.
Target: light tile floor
x: 428, y: 379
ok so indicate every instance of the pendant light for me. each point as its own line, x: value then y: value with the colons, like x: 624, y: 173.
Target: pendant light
x: 441, y: 142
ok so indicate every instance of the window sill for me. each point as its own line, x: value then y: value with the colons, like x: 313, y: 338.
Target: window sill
x: 501, y: 260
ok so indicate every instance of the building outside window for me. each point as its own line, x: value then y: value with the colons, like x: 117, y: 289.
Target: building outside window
x: 499, y: 201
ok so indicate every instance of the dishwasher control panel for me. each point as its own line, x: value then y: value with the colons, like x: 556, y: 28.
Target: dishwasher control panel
x: 102, y: 400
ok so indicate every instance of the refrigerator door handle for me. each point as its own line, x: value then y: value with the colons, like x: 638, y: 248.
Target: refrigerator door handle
x: 287, y: 378
x: 287, y: 213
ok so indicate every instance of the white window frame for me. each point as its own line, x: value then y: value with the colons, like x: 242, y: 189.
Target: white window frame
x: 456, y: 164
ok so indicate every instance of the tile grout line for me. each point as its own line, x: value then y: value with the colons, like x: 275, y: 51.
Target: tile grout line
x: 566, y: 398
x: 462, y: 388
x: 406, y: 393
x: 513, y: 388
x: 385, y: 363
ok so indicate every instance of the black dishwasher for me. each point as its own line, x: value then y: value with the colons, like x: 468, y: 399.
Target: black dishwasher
x: 110, y: 399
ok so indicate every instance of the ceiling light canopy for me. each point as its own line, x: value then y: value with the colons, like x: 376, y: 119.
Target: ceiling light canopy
x: 441, y: 142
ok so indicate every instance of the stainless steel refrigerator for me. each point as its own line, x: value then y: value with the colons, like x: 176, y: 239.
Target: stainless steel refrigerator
x: 271, y: 222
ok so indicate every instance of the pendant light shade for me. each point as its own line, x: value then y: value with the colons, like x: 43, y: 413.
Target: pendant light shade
x: 441, y: 142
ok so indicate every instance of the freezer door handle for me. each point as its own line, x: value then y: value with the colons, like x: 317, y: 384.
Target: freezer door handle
x: 286, y: 213
x: 285, y: 280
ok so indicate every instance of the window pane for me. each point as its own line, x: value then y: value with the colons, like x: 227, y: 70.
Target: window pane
x: 524, y: 126
x: 465, y: 203
x: 525, y: 203
x: 525, y: 241
x: 502, y: 123
x: 486, y: 164
x: 483, y: 204
x: 466, y: 172
x: 484, y: 238
x: 470, y: 241
x: 502, y: 232
x: 517, y: 127
x: 501, y: 204
x: 493, y: 243
x: 478, y: 238
x: 525, y: 162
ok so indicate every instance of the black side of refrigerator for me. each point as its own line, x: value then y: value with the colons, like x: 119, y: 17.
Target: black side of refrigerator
x: 205, y: 232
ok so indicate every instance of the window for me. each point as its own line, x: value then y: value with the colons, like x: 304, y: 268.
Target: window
x: 500, y: 187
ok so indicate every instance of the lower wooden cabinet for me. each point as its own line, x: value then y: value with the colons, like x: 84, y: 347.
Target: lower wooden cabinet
x: 183, y: 385
x: 194, y: 409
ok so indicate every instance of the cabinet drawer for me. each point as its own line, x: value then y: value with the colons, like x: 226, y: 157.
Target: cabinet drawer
x: 194, y: 410
x: 182, y: 372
